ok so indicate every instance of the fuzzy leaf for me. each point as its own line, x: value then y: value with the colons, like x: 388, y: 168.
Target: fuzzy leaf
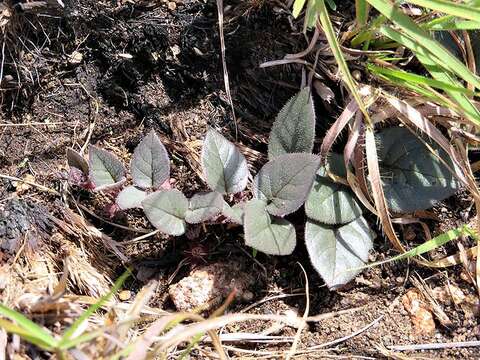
x: 106, y: 171
x: 331, y: 203
x: 335, y: 165
x: 130, y: 197
x: 334, y: 251
x: 285, y: 182
x: 204, y: 207
x: 294, y: 129
x: 224, y: 167
x: 166, y: 211
x: 266, y: 233
x: 413, y: 178
x: 234, y: 213
x: 76, y: 160
x: 150, y: 165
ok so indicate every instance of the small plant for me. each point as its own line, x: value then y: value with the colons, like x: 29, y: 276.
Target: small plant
x: 280, y: 187
x: 337, y: 237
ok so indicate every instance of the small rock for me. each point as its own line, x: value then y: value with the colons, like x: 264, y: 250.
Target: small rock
x: 125, y: 295
x: 419, y: 312
x: 171, y: 6
x: 207, y: 286
x: 75, y: 57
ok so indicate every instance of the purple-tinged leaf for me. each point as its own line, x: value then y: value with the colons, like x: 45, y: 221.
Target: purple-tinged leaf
x: 150, y: 165
x: 76, y: 160
x: 106, y: 171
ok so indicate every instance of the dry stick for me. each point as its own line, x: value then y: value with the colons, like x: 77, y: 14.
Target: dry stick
x: 29, y: 124
x: 3, y: 58
x: 41, y: 187
x: 345, y: 338
x: 140, y: 238
x: 435, y: 346
x: 224, y: 63
x: 310, y: 47
x: 281, y: 296
x: 138, y: 230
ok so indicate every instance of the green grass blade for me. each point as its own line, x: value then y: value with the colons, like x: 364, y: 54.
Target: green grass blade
x: 332, y: 4
x: 91, y: 310
x: 337, y: 53
x: 450, y: 23
x: 297, y: 7
x: 427, y: 246
x: 11, y: 328
x: 422, y: 37
x: 369, y: 33
x: 418, y: 79
x: 361, y: 9
x: 33, y: 330
x: 190, y: 346
x: 426, y: 92
x: 432, y: 65
x: 449, y: 7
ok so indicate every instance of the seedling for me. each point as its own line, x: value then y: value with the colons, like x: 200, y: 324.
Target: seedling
x: 338, y: 238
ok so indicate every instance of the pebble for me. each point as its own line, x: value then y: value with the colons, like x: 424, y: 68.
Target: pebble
x: 125, y: 295
x: 206, y: 287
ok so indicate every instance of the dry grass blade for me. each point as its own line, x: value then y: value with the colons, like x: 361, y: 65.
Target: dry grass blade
x: 377, y: 189
x: 293, y: 349
x: 337, y: 127
x: 224, y: 63
x: 353, y: 154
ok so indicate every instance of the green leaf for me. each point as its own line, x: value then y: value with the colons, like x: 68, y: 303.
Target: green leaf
x: 106, y: 171
x: 265, y: 233
x: 233, y: 213
x: 285, y: 182
x: 130, y: 198
x: 150, y: 165
x: 27, y: 328
x: 224, y: 167
x: 76, y: 160
x: 413, y: 178
x: 334, y: 251
x: 331, y: 203
x: 203, y: 207
x: 166, y: 210
x: 294, y: 129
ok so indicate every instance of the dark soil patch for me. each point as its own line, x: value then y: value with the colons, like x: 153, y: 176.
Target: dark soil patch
x: 107, y: 73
